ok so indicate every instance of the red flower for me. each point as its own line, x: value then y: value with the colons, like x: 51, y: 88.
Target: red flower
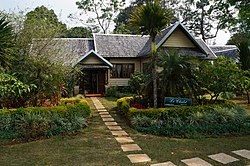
x: 138, y: 106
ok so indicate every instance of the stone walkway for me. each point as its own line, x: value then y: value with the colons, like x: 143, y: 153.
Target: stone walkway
x: 123, y: 138
x: 128, y: 145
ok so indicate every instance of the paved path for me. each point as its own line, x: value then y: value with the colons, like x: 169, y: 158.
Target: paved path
x: 128, y: 145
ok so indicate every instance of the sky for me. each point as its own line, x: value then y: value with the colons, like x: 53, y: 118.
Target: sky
x: 65, y: 7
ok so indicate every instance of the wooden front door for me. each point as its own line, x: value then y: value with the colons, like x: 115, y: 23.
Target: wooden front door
x: 94, y: 81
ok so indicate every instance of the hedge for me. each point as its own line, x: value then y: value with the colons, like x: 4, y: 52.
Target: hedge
x: 187, y: 121
x: 33, y: 122
x: 190, y: 121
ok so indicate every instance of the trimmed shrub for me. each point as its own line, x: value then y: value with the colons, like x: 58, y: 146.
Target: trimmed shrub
x: 32, y: 122
x: 192, y: 121
x: 123, y: 105
x: 72, y: 100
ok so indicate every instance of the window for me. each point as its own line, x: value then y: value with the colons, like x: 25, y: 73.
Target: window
x: 122, y: 70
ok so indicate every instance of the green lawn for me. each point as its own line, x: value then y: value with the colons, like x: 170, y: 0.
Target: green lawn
x: 162, y: 149
x: 96, y: 146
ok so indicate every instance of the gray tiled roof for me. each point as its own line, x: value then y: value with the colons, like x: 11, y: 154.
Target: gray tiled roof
x: 65, y: 50
x: 116, y: 45
x: 205, y: 52
x: 227, y: 50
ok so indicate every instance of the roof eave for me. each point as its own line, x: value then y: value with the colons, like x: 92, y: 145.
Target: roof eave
x: 99, y: 56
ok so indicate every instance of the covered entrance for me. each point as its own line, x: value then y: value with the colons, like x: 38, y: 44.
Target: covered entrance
x: 93, y: 81
x: 94, y: 73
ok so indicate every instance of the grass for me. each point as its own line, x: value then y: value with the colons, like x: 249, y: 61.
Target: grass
x: 162, y: 149
x: 96, y: 146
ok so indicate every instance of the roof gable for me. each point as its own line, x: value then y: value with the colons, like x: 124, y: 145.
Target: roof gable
x: 178, y: 39
x: 179, y: 26
x: 93, y: 57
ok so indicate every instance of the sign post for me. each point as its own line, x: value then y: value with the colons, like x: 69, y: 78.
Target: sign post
x: 171, y: 101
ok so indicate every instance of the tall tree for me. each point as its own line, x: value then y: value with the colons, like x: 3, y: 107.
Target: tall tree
x: 78, y: 32
x: 6, y: 43
x: 38, y: 55
x: 241, y: 22
x: 122, y: 18
x: 46, y: 21
x: 150, y: 19
x: 203, y: 16
x: 104, y: 11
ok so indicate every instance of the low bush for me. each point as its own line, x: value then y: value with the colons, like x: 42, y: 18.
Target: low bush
x: 123, y: 105
x: 32, y: 122
x: 118, y: 91
x: 73, y: 100
x: 192, y: 121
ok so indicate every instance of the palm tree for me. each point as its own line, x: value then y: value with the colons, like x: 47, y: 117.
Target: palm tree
x: 150, y: 19
x: 6, y: 43
x: 177, y: 76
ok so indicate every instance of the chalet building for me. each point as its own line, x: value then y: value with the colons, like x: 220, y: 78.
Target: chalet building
x: 110, y: 59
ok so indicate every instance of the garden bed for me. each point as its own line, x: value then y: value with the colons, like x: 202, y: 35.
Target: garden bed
x: 187, y: 121
x: 33, y: 122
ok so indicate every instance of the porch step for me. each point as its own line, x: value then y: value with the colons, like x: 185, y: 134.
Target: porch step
x: 93, y: 95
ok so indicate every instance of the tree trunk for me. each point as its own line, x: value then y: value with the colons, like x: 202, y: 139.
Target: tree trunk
x: 248, y: 97
x: 154, y: 73
x: 202, y: 24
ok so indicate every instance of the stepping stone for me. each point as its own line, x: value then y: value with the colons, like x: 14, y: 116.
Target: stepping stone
x: 108, y: 119
x: 118, y: 133
x: 110, y: 123
x: 195, y: 162
x: 130, y: 147
x: 223, y: 158
x: 104, y: 113
x: 243, y: 153
x: 138, y: 158
x: 164, y: 164
x: 106, y: 116
x: 102, y: 110
x: 124, y: 139
x: 114, y: 128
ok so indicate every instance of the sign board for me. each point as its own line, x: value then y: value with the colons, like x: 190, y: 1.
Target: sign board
x: 171, y: 101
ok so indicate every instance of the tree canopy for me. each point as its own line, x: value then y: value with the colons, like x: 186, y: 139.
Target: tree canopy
x: 104, y: 11
x: 6, y: 43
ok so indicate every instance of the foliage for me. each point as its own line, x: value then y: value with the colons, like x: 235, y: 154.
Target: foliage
x: 12, y: 91
x: 150, y: 20
x: 111, y: 91
x: 118, y: 91
x: 48, y: 76
x: 202, y: 16
x: 32, y: 122
x: 121, y: 29
x: 240, y: 21
x: 123, y: 105
x: 244, y: 54
x: 219, y: 76
x: 137, y: 83
x: 72, y: 100
x: 238, y: 37
x: 104, y: 11
x: 6, y: 43
x: 36, y: 63
x: 191, y: 121
x: 122, y: 20
x: 46, y: 21
x: 177, y: 77
x: 78, y: 32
